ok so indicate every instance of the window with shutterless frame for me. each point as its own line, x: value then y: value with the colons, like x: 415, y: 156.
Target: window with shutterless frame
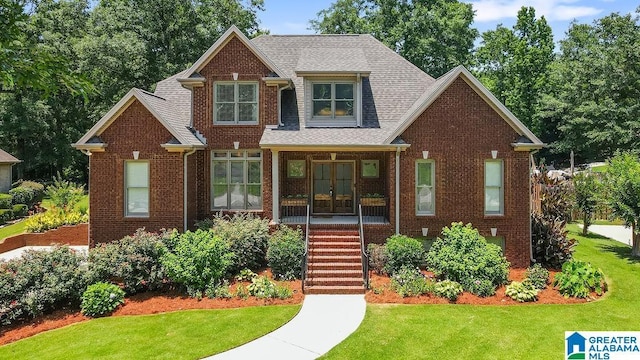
x: 235, y: 102
x: 136, y: 181
x: 493, y: 187
x: 333, y: 99
x: 425, y: 187
x: 236, y: 180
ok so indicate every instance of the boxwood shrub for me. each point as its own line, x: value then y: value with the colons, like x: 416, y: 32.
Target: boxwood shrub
x: 462, y: 255
x: 284, y: 255
x: 27, y: 192
x: 20, y: 210
x: 5, y: 215
x: 5, y: 201
x: 101, y: 299
x: 402, y: 251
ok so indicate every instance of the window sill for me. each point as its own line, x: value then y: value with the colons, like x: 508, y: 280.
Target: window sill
x: 236, y: 124
x: 136, y: 217
x: 494, y: 216
x: 426, y: 215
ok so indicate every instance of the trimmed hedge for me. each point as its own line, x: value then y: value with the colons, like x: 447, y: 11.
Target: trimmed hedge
x: 5, y: 215
x: 286, y: 248
x: 20, y: 210
x: 5, y: 201
x: 28, y: 192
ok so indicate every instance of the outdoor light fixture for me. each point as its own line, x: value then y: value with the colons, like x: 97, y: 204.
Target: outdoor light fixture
x: 235, y: 76
x: 494, y: 154
x: 333, y: 156
x: 494, y: 231
x: 136, y: 154
x: 425, y: 231
x: 236, y: 145
x: 425, y: 154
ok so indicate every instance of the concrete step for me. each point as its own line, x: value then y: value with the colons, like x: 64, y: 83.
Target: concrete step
x: 315, y: 266
x: 321, y: 289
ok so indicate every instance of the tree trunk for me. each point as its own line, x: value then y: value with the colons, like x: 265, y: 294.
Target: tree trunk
x: 635, y: 248
x: 585, y: 224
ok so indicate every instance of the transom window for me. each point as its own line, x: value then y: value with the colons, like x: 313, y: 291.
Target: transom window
x: 236, y: 102
x: 236, y: 180
x: 493, y: 187
x: 136, y: 179
x: 333, y: 99
x: 425, y: 189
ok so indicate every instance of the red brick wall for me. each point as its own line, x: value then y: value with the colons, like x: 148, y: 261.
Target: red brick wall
x: 66, y: 235
x: 134, y: 130
x: 233, y: 57
x: 459, y: 130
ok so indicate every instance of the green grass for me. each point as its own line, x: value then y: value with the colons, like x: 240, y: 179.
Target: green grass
x: 84, y: 202
x: 501, y: 332
x: 604, y: 222
x: 10, y: 230
x: 599, y: 169
x: 190, y: 334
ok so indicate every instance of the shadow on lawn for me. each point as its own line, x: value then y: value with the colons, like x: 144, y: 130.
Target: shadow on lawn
x: 620, y: 250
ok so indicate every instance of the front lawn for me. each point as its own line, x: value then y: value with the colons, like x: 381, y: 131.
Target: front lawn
x: 191, y: 334
x: 501, y: 332
x: 11, y: 230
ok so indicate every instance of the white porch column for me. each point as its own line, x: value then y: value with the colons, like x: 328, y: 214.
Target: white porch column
x: 275, y: 188
x: 398, y: 191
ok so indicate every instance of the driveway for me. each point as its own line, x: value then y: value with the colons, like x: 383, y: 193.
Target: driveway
x: 616, y: 232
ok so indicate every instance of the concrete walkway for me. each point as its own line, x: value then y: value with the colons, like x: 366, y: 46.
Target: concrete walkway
x: 616, y: 232
x: 323, y: 322
x: 18, y: 252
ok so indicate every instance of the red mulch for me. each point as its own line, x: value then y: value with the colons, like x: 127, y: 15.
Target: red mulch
x: 160, y: 302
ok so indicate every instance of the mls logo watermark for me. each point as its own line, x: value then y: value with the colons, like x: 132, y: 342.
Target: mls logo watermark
x: 602, y: 345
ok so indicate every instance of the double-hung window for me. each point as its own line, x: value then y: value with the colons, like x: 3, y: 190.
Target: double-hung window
x: 425, y: 187
x: 333, y: 99
x: 236, y: 102
x: 136, y: 175
x: 493, y: 187
x: 236, y: 180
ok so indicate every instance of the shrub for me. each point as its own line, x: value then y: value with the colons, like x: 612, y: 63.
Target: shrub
x: 200, y: 260
x: 5, y: 201
x: 448, y: 289
x: 579, y: 279
x: 248, y: 236
x: 242, y: 292
x: 39, y: 282
x: 27, y: 192
x: 53, y: 219
x: 64, y: 194
x: 462, y: 255
x: 402, y: 251
x: 377, y: 257
x: 133, y: 261
x: 263, y: 288
x: 5, y: 215
x: 284, y: 255
x: 246, y: 275
x: 551, y: 246
x: 410, y: 282
x: 20, y: 210
x: 522, y: 291
x: 538, y: 276
x: 220, y: 291
x: 100, y: 299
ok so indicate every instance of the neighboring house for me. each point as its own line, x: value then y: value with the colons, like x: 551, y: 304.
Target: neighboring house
x: 6, y: 163
x: 269, y: 124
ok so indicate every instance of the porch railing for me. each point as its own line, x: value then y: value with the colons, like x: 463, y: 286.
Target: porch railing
x: 305, y: 256
x: 292, y: 211
x: 364, y: 256
x: 374, y: 210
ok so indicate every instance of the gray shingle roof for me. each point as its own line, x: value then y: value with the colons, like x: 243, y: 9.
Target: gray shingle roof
x: 6, y: 158
x: 332, y: 60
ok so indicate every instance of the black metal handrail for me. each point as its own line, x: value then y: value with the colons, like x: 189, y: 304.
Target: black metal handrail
x: 364, y: 257
x: 305, y: 256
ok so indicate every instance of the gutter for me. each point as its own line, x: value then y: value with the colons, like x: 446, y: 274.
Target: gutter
x: 184, y: 190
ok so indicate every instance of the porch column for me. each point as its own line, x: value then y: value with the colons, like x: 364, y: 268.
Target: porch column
x: 275, y: 186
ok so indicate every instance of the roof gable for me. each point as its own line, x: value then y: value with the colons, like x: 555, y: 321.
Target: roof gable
x: 442, y: 84
x: 6, y: 158
x: 221, y: 42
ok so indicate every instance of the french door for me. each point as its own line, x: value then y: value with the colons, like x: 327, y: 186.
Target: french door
x: 333, y: 187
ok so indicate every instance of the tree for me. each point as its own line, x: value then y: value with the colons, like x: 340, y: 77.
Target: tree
x: 514, y: 65
x: 434, y: 35
x: 623, y: 182
x: 586, y: 189
x: 595, y: 87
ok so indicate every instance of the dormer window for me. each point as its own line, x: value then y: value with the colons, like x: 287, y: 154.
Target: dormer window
x: 236, y: 102
x: 333, y: 99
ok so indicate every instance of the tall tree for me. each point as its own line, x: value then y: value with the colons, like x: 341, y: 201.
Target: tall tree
x: 515, y: 63
x: 434, y: 35
x: 595, y: 87
x: 623, y: 182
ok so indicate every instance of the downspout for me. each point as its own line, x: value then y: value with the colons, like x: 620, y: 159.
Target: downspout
x: 398, y: 190
x: 280, y: 89
x: 531, y: 166
x: 88, y: 153
x: 184, y: 190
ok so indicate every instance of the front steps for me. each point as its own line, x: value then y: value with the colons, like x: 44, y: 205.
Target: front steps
x: 334, y: 262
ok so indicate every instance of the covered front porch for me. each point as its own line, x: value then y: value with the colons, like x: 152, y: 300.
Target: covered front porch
x: 336, y: 187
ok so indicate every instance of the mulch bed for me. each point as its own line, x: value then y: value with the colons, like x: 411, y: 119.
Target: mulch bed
x: 160, y: 302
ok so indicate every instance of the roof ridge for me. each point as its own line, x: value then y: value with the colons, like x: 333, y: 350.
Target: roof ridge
x: 309, y: 35
x: 151, y: 94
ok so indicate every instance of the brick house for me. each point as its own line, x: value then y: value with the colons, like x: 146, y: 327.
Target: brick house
x: 272, y: 124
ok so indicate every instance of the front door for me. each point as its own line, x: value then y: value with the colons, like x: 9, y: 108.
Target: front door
x: 333, y: 187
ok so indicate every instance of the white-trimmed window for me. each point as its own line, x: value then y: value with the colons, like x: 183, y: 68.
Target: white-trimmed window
x: 425, y: 187
x: 236, y: 102
x: 236, y: 180
x: 332, y: 100
x: 493, y: 187
x: 136, y: 179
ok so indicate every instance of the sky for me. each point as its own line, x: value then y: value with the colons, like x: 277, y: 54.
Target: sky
x: 292, y: 16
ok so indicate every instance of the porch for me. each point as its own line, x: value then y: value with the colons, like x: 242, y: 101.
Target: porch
x: 333, y: 220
